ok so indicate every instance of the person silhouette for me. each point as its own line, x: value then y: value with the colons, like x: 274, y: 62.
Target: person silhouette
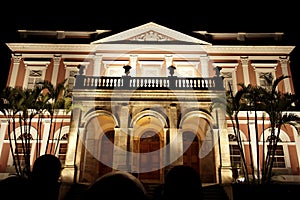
x: 116, y: 185
x: 182, y: 182
x: 45, y: 176
x: 15, y: 187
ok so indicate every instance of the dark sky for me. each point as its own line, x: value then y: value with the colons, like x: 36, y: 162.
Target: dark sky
x: 184, y: 16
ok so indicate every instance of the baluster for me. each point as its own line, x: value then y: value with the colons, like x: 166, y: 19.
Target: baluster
x: 96, y: 82
x: 100, y: 82
x: 198, y: 83
x: 88, y: 80
x: 93, y: 82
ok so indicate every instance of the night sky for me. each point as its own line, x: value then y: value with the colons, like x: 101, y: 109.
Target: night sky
x: 184, y: 16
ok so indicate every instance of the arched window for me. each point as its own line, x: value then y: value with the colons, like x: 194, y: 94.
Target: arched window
x: 23, y: 145
x: 59, y: 144
x: 22, y: 149
x: 279, y: 160
x: 235, y: 155
x: 281, y: 156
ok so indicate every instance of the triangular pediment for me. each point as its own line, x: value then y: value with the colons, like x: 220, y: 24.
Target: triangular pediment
x: 150, y: 32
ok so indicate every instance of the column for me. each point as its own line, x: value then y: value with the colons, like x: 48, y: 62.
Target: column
x: 175, y: 145
x: 70, y: 169
x: 169, y: 62
x: 221, y: 145
x: 15, y: 68
x: 3, y: 128
x: 45, y: 135
x: 133, y: 61
x: 285, y: 72
x: 165, y: 154
x: 97, y: 65
x: 297, y: 141
x: 132, y: 160
x: 204, y: 71
x: 253, y: 143
x: 120, y: 141
x: 56, y: 63
x: 244, y: 61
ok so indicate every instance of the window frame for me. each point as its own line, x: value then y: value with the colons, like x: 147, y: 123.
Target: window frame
x: 33, y: 66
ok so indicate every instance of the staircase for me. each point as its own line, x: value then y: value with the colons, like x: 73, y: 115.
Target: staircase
x: 210, y: 192
x: 153, y: 190
x: 73, y: 192
x: 214, y: 192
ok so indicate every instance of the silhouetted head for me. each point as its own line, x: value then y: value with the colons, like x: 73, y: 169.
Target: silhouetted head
x: 182, y: 182
x: 46, y: 168
x: 116, y: 185
x: 15, y: 187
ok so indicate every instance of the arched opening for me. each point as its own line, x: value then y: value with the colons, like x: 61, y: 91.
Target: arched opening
x: 150, y: 156
x: 107, y: 150
x: 191, y: 150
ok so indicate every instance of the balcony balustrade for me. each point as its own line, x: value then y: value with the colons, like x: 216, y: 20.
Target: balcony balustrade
x: 148, y: 83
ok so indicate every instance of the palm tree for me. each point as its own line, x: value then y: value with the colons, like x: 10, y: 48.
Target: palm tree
x: 9, y: 108
x: 55, y: 99
x: 277, y: 106
x: 271, y: 102
x: 20, y: 106
x: 233, y: 104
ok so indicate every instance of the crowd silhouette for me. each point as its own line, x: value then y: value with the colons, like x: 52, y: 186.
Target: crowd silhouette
x: 116, y: 185
x: 181, y: 182
x: 43, y: 182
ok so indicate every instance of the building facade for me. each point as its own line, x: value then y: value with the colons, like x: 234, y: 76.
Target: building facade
x: 142, y: 101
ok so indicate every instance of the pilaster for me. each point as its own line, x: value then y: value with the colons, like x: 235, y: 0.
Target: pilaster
x: 285, y: 72
x: 244, y: 61
x: 16, y: 59
x: 204, y: 66
x: 46, y: 133
x: 175, y: 145
x: 69, y: 173
x: 3, y: 129
x: 169, y: 62
x: 120, y: 141
x: 97, y: 65
x: 56, y: 63
x: 133, y: 61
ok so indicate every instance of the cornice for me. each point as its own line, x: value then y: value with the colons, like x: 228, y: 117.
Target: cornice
x: 90, y: 48
x: 86, y: 96
x: 151, y: 31
x: 43, y: 47
x: 249, y: 49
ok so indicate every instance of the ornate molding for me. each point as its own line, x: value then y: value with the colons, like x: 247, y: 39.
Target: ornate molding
x: 244, y: 61
x: 283, y: 60
x: 150, y: 36
x: 249, y: 49
x: 27, y: 47
x: 17, y: 58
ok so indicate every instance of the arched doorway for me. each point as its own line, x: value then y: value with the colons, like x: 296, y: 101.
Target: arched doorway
x: 191, y: 150
x: 107, y: 150
x: 150, y: 156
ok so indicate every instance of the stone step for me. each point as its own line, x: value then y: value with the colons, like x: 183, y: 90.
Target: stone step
x: 210, y: 192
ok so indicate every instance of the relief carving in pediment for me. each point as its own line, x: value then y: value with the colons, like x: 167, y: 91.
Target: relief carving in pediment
x: 151, y: 36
